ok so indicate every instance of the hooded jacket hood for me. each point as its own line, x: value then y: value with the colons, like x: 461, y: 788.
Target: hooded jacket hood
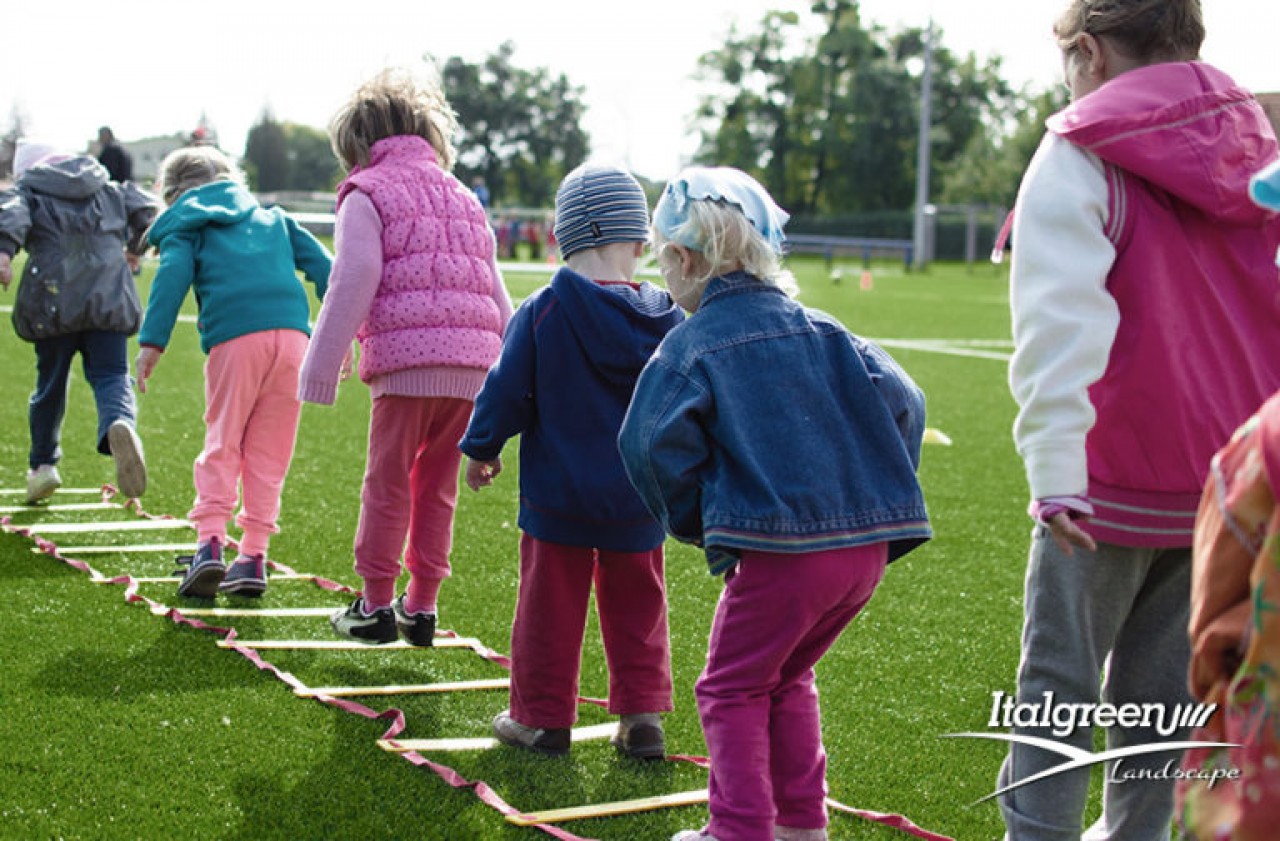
x: 1184, y: 127
x: 618, y: 325
x: 71, y: 178
x: 215, y: 203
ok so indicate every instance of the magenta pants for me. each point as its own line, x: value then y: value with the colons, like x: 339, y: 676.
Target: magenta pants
x: 778, y: 614
x: 251, y: 423
x: 551, y: 618
x: 410, y: 489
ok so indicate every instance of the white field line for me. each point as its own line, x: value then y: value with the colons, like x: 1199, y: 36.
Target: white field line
x: 960, y: 347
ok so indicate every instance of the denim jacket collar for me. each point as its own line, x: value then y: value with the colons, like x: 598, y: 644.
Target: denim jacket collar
x: 735, y: 282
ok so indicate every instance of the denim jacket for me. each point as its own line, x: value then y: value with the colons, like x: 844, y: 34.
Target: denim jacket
x: 762, y: 425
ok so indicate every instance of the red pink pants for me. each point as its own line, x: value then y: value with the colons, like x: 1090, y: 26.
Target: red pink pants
x: 550, y: 621
x: 251, y: 423
x: 777, y: 616
x: 410, y: 490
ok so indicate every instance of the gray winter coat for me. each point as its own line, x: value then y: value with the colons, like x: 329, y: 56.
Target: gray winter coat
x: 74, y: 223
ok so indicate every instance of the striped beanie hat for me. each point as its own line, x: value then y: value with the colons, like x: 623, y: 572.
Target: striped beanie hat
x: 598, y: 205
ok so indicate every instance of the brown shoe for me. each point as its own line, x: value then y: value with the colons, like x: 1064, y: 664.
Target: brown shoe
x: 641, y: 737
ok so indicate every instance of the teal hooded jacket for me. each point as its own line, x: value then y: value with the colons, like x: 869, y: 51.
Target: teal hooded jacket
x: 241, y: 259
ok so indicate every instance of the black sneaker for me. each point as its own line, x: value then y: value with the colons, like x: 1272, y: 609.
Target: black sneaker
x: 552, y: 742
x: 416, y: 628
x: 246, y: 577
x: 377, y: 628
x: 203, y: 571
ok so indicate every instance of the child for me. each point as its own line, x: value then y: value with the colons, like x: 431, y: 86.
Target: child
x: 1143, y: 292
x: 1235, y: 627
x: 416, y: 281
x: 76, y: 296
x: 568, y: 366
x: 241, y: 260
x: 787, y: 449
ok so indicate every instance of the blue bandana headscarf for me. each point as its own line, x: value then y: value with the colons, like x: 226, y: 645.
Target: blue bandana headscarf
x: 1264, y: 188
x: 718, y: 184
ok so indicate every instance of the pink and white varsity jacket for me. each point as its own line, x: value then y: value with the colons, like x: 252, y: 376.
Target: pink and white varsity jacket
x: 1145, y: 297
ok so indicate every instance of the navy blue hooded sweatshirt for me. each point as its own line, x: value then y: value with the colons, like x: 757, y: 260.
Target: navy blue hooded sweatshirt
x: 569, y: 362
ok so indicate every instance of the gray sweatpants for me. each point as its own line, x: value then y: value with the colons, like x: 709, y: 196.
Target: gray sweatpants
x: 1123, y: 610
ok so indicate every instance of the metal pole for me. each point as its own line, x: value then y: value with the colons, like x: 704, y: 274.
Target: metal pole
x: 922, y: 150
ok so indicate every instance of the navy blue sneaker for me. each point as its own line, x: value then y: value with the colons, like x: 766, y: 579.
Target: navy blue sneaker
x: 204, y: 571
x: 246, y: 577
x: 377, y: 628
x: 416, y: 628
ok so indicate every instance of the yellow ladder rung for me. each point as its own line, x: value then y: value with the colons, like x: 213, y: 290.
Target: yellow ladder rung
x: 577, y: 734
x: 608, y: 810
x: 412, y: 689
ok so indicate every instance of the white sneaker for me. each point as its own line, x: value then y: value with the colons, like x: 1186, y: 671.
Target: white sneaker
x: 131, y: 467
x: 42, y: 482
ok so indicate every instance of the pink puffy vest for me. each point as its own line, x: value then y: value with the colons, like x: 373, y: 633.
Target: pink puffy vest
x: 435, y: 305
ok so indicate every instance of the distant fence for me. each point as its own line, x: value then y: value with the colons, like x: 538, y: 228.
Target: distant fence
x: 866, y: 247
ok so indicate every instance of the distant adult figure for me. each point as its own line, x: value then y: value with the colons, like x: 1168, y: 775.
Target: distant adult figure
x: 114, y: 157
x: 481, y: 191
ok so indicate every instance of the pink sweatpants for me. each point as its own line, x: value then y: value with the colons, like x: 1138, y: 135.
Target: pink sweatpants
x: 410, y: 489
x: 778, y: 614
x: 551, y: 618
x: 251, y: 423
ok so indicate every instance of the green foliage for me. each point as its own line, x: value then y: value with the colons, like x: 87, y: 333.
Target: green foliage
x: 520, y: 129
x: 312, y: 164
x: 989, y: 169
x: 828, y: 121
x: 289, y: 156
x: 117, y: 724
x: 266, y: 154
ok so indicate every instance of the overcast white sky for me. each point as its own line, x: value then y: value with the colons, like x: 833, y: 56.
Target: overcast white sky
x: 151, y: 67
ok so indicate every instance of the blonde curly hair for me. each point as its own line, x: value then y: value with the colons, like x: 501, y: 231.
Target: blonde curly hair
x: 397, y: 101
x: 193, y: 166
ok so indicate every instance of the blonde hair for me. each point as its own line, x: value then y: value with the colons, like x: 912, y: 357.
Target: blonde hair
x: 395, y: 102
x: 193, y: 166
x: 727, y: 241
x: 1147, y: 31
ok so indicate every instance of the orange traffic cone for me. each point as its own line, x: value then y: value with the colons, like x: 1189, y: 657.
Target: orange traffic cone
x: 865, y: 283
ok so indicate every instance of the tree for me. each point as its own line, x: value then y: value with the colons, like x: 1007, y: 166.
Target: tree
x: 520, y: 130
x: 312, y: 165
x: 828, y: 121
x: 266, y: 154
x: 990, y: 169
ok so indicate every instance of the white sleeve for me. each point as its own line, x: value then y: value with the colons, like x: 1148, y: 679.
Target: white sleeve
x: 1064, y: 318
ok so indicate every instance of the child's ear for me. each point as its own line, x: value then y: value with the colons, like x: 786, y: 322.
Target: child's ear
x: 687, y: 256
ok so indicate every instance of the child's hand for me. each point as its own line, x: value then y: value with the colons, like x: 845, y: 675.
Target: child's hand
x: 146, y: 363
x: 482, y: 473
x: 134, y: 261
x: 6, y: 269
x: 348, y: 364
x: 1067, y: 534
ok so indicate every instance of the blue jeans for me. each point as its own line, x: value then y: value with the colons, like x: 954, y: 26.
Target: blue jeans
x: 105, y: 357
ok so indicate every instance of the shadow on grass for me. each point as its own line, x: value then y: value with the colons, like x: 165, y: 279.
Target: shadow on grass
x: 349, y: 793
x: 173, y: 664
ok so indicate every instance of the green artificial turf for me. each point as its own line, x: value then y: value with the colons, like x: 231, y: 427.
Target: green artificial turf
x: 116, y: 723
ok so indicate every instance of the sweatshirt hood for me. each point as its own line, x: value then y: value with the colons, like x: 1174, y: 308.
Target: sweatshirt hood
x: 215, y: 203
x: 618, y: 325
x: 1185, y: 127
x: 70, y: 178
